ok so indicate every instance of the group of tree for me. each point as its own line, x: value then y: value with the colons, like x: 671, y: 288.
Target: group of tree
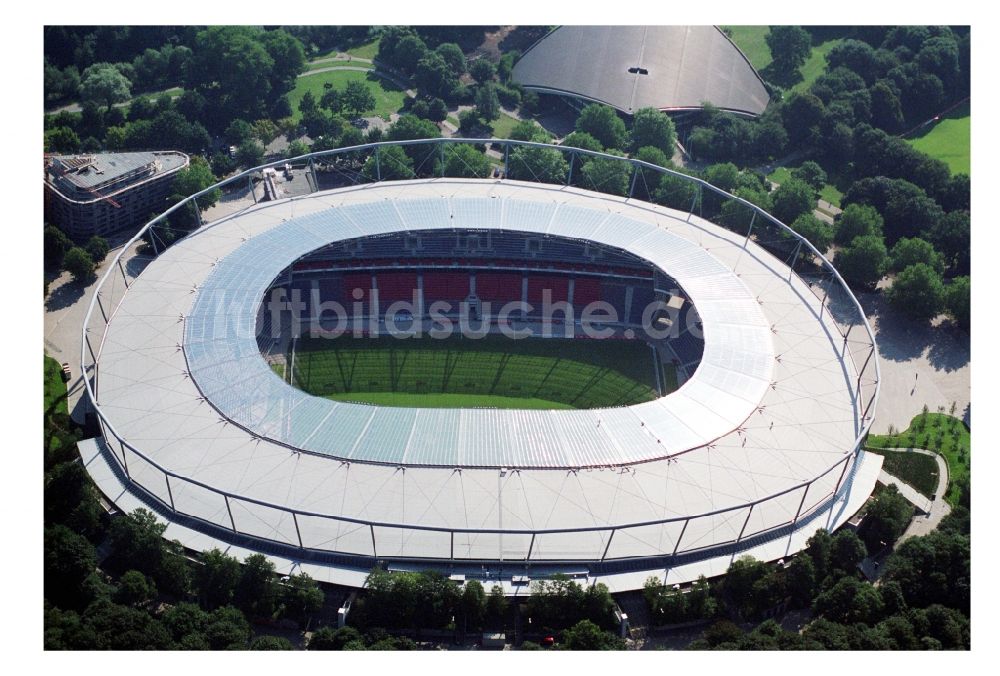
x: 60, y: 253
x: 921, y: 603
x: 117, y: 605
x: 878, y: 81
x: 426, y: 600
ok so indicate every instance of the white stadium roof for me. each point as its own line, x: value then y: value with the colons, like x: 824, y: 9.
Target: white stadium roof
x: 773, y: 405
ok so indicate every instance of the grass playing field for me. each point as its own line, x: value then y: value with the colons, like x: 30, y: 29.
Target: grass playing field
x: 492, y: 372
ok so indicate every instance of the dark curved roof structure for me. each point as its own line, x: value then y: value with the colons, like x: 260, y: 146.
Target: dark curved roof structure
x: 670, y: 68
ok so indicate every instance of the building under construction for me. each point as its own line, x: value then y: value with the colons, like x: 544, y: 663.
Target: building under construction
x: 106, y: 193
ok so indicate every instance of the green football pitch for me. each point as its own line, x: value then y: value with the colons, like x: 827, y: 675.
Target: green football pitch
x: 494, y: 372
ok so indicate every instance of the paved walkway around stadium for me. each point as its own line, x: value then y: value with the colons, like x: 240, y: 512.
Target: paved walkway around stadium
x: 922, y: 364
x: 922, y: 525
x: 65, y: 307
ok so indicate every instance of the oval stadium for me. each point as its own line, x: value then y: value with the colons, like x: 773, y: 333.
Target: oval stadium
x: 499, y: 377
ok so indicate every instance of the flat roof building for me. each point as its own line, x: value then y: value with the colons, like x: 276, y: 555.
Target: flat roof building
x: 671, y: 68
x: 104, y: 193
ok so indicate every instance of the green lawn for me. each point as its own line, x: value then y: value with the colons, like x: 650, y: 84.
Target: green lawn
x: 503, y: 126
x: 54, y: 392
x: 494, y: 371
x: 365, y: 51
x: 830, y: 193
x: 751, y: 41
x: 388, y: 97
x: 916, y: 469
x: 279, y: 369
x: 949, y: 140
x: 815, y: 65
x: 942, y: 434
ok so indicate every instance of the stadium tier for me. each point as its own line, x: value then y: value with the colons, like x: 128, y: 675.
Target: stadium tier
x: 755, y: 451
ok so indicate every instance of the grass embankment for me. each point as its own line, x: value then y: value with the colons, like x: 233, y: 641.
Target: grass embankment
x: 915, y: 469
x: 941, y: 433
x: 494, y: 371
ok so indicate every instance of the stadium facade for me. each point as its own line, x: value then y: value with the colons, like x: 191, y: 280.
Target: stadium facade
x: 759, y: 447
x: 670, y: 68
x: 106, y: 193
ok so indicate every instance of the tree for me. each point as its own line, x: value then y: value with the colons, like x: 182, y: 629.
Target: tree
x: 271, y: 643
x: 905, y: 208
x: 496, y: 606
x: 357, y: 99
x: 791, y: 199
x: 227, y: 629
x: 473, y: 605
x: 887, y: 112
x: 79, y: 264
x: 603, y: 123
x: 435, y: 77
x: 850, y: 601
x: 257, y: 591
x: 819, y: 233
x: 606, y: 175
x: 846, y: 552
x: 137, y: 540
x: 856, y: 220
x: 863, y: 262
x: 888, y: 515
x: 328, y: 638
x: 98, y: 248
x: 231, y: 67
x: 482, y: 70
x: 950, y: 236
x: 464, y: 161
x: 288, y: 59
x: 487, y: 103
x: 194, y: 178
x: 238, y: 132
x: 527, y: 130
x: 104, y: 84
x: 800, y: 577
x: 910, y: 251
x: 650, y: 127
x: 61, y: 139
x: 72, y: 500
x: 917, y: 292
x: 250, y: 153
x: 216, y: 579
x: 302, y: 597
x: 391, y: 164
x: 934, y: 568
x: 453, y: 56
x: 957, y: 301
x: 69, y: 560
x: 802, y: 114
x: 538, y: 164
x: 585, y: 635
x: 790, y: 47
x: 810, y: 173
x: 469, y: 122
x: 134, y: 589
x: 56, y: 244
